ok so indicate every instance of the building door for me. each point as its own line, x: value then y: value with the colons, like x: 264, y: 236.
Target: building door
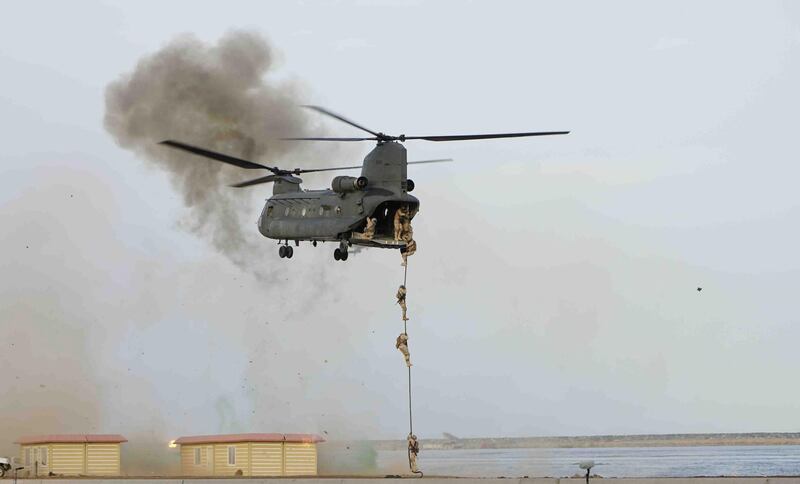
x: 44, y: 461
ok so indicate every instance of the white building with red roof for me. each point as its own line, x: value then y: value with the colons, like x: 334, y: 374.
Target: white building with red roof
x: 249, y: 454
x: 71, y: 454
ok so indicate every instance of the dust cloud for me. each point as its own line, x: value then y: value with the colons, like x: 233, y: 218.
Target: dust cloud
x: 107, y: 330
x: 217, y: 96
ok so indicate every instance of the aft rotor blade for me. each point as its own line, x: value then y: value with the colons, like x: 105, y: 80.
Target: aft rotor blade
x: 313, y: 170
x: 463, y: 137
x: 341, y: 118
x: 231, y: 160
x: 330, y: 139
x: 299, y: 171
x: 441, y: 160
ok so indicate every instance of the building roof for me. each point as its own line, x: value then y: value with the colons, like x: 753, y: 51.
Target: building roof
x: 231, y: 438
x: 72, y: 439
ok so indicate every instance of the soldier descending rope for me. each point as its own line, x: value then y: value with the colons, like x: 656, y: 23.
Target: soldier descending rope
x: 409, y: 249
x: 401, y: 300
x: 402, y: 345
x: 413, y: 450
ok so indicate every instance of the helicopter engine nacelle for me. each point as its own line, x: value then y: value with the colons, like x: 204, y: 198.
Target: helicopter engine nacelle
x: 344, y: 184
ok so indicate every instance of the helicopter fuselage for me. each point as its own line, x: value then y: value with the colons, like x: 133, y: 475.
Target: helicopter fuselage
x: 340, y: 215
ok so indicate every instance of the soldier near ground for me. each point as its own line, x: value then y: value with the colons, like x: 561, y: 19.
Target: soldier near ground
x: 401, y: 300
x: 402, y: 345
x: 413, y: 450
x: 369, y: 230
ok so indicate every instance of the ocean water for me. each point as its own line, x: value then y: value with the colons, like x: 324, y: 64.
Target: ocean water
x: 766, y: 460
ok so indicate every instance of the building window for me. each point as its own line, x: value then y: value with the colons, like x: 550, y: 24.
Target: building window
x: 231, y: 456
x: 28, y: 452
x: 43, y: 455
x: 197, y: 456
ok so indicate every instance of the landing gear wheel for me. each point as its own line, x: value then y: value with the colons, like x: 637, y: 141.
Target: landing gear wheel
x: 343, y: 255
x: 337, y: 254
x: 282, y: 251
x: 289, y: 251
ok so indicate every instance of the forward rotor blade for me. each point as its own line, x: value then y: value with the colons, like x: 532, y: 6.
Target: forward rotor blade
x: 463, y: 137
x: 256, y: 181
x: 267, y: 179
x: 341, y: 118
x: 217, y: 156
x: 330, y: 139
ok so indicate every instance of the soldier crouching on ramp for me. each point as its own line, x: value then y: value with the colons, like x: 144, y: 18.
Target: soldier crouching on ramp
x: 402, y: 345
x: 369, y: 230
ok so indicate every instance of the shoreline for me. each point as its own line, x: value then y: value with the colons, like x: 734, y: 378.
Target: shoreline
x: 566, y: 442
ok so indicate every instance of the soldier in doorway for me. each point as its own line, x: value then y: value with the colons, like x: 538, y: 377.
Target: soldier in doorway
x: 401, y: 300
x: 400, y: 217
x: 413, y: 450
x: 402, y: 345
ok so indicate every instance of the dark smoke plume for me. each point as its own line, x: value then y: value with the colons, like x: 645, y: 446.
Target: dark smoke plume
x: 215, y: 96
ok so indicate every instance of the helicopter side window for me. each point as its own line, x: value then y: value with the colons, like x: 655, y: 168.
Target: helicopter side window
x: 321, y: 211
x: 338, y: 210
x: 286, y: 213
x: 269, y: 211
x: 303, y: 213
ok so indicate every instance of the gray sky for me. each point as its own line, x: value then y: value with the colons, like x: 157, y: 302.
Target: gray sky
x: 554, y: 288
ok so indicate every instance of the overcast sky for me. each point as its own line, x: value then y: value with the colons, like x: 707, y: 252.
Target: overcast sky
x: 555, y: 287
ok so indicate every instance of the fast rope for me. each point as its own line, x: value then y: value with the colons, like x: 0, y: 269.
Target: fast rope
x: 410, y: 414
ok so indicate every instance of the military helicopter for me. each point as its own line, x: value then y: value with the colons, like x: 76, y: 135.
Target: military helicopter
x: 339, y: 214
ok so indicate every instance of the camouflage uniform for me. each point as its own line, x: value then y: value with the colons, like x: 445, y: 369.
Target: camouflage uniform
x: 413, y: 450
x: 401, y: 300
x: 410, y: 249
x: 402, y: 345
x: 400, y: 216
x: 369, y: 230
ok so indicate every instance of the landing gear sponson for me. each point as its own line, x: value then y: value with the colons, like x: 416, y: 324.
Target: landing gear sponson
x: 286, y: 251
x: 341, y: 252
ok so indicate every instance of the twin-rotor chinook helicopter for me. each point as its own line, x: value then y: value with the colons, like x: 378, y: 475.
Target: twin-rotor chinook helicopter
x: 339, y: 214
